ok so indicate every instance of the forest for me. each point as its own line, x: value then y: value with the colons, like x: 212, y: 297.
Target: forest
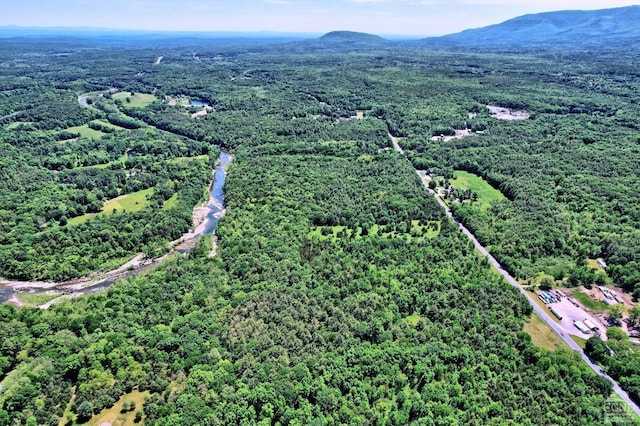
x: 340, y: 293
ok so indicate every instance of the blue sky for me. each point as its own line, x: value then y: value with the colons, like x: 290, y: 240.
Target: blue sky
x: 402, y: 17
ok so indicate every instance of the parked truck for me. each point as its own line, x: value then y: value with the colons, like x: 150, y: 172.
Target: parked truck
x: 556, y: 313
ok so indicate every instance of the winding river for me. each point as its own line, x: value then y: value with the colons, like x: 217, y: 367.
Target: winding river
x: 216, y: 200
x: 213, y: 211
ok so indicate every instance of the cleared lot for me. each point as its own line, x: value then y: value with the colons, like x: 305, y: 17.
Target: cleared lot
x: 571, y: 313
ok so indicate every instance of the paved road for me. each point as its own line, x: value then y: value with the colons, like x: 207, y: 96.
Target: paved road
x: 536, y: 307
x: 396, y: 144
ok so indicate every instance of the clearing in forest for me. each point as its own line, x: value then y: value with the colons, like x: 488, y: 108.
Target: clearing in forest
x: 171, y: 202
x: 487, y: 194
x: 122, y: 159
x: 32, y: 300
x: 593, y: 263
x: 459, y: 135
x: 136, y: 100
x: 507, y: 114
x: 86, y: 132
x: 120, y: 414
x: 132, y: 202
x: 105, y: 123
x: 16, y: 124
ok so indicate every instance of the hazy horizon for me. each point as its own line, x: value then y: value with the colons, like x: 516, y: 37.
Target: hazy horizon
x: 409, y: 18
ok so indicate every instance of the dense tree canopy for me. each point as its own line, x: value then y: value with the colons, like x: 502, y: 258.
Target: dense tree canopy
x: 340, y: 293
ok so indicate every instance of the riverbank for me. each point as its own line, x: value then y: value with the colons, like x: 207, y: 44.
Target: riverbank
x: 205, y: 220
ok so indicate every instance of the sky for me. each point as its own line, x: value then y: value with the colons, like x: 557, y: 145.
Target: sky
x: 382, y: 17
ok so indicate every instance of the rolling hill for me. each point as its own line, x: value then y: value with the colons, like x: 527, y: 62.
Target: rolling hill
x: 344, y: 41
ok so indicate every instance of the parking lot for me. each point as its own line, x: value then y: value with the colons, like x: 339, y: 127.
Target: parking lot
x: 570, y: 313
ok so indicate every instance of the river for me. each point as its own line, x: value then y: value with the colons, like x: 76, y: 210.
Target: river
x: 214, y: 210
x: 216, y: 200
x: 5, y: 293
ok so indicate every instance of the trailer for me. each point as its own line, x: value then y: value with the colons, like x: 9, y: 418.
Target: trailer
x: 554, y: 312
x: 590, y: 324
x: 580, y: 326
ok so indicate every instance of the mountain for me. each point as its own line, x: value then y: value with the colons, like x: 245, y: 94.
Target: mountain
x: 344, y: 41
x: 350, y: 37
x: 609, y: 27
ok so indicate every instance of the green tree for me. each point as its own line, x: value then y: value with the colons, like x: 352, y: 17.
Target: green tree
x: 4, y: 418
x: 617, y: 334
x: 546, y: 282
x: 596, y: 348
x: 616, y: 312
x: 85, y: 411
x: 634, y: 316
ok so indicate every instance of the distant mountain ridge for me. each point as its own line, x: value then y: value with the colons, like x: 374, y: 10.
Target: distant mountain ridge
x: 616, y: 27
x: 577, y: 27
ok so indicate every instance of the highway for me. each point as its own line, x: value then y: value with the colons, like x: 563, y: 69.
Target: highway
x: 536, y: 307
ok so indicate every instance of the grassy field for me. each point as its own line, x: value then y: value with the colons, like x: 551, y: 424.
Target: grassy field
x: 129, y: 202
x: 171, y: 202
x: 180, y: 160
x: 105, y: 123
x: 16, y: 124
x: 588, y: 302
x: 541, y: 335
x: 113, y: 415
x: 122, y: 159
x: 31, y: 300
x: 79, y: 220
x: 139, y: 100
x: 95, y: 166
x: 593, y: 263
x: 487, y: 194
x: 419, y: 231
x: 86, y: 132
